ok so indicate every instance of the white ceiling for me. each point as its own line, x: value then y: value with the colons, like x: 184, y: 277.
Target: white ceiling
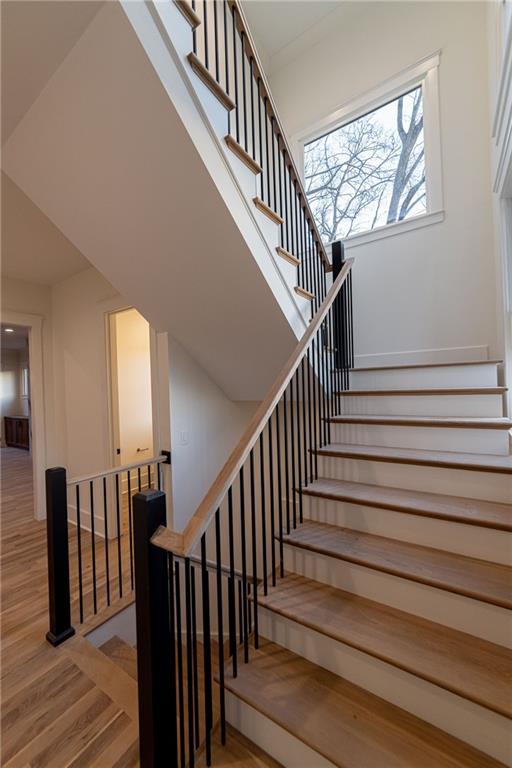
x: 33, y: 249
x: 37, y: 35
x: 276, y: 23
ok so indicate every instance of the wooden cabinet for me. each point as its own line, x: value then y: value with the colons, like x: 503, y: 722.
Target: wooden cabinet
x: 17, y: 431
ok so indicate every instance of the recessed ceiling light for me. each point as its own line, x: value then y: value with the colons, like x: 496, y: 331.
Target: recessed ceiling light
x: 9, y: 330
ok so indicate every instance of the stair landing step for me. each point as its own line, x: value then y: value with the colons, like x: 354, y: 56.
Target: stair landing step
x: 424, y: 392
x: 457, y: 509
x: 477, y: 579
x: 237, y: 752
x: 478, y: 462
x: 347, y: 725
x: 465, y: 665
x: 122, y: 654
x: 424, y: 421
x: 405, y: 366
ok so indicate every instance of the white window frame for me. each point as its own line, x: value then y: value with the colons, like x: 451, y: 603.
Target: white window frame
x: 424, y: 73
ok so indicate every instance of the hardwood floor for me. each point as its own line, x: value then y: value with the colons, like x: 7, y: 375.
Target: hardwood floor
x: 58, y: 709
x: 74, y: 706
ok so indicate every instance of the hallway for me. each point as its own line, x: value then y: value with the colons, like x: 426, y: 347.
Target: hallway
x: 61, y: 706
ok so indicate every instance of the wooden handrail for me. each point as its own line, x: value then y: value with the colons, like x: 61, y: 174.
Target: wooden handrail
x: 184, y: 544
x: 251, y: 51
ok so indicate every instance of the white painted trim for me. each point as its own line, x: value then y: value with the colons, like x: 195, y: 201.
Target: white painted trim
x: 38, y: 446
x: 426, y: 356
x: 424, y: 73
x: 391, y: 230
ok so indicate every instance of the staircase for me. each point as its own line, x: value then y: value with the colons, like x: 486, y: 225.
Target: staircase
x: 391, y: 628
x: 342, y: 594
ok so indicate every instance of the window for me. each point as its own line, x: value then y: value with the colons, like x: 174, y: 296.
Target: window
x: 24, y: 382
x: 377, y: 161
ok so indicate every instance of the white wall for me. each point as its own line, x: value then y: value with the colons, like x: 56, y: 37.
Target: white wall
x: 433, y: 288
x: 205, y: 427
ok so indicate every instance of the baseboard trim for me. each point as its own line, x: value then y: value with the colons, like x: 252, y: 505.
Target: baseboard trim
x: 425, y: 356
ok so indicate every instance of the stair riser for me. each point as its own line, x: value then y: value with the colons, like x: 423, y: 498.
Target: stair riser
x: 476, y: 725
x: 288, y: 750
x: 473, y: 616
x: 490, y: 486
x: 484, y: 375
x: 470, y: 540
x: 493, y: 441
x: 423, y: 405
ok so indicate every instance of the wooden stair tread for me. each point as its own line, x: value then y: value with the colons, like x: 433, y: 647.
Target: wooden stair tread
x: 456, y: 508
x: 267, y: 210
x: 424, y: 421
x: 481, y: 462
x: 188, y: 12
x: 468, y: 666
x: 237, y: 752
x: 405, y: 366
x: 287, y: 256
x: 242, y: 154
x: 122, y: 654
x: 347, y: 725
x: 478, y: 579
x: 210, y: 82
x: 304, y: 293
x: 423, y: 391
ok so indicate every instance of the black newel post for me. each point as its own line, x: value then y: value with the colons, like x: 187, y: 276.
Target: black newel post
x: 338, y: 257
x: 58, y: 556
x: 157, y: 698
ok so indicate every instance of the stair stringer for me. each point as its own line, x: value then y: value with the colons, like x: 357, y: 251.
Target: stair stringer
x: 105, y: 155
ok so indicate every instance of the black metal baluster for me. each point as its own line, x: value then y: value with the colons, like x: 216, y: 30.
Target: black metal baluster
x: 310, y: 418
x: 299, y: 452
x: 235, y: 75
x: 304, y: 423
x: 244, y: 89
x: 272, y: 502
x: 315, y: 414
x: 118, y: 523
x: 285, y: 214
x: 190, y: 682
x: 130, y: 526
x: 105, y: 530
x: 220, y: 628
x: 286, y: 465
x: 273, y: 132
x: 79, y: 552
x: 226, y: 57
x: 254, y: 547
x: 292, y: 441
x: 231, y: 585
x: 194, y: 32
x: 244, y: 565
x: 263, y: 517
x: 267, y: 165
x: 179, y: 643
x: 195, y: 678
x: 205, y: 22
x: 139, y: 480
x: 280, y: 170
x: 280, y: 494
x: 149, y: 474
x: 172, y: 628
x: 260, y: 134
x: 253, y: 125
x: 207, y: 651
x: 93, y: 547
x: 216, y: 40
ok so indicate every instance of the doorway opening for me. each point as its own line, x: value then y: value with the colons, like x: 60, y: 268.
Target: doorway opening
x: 132, y: 407
x: 15, y: 409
